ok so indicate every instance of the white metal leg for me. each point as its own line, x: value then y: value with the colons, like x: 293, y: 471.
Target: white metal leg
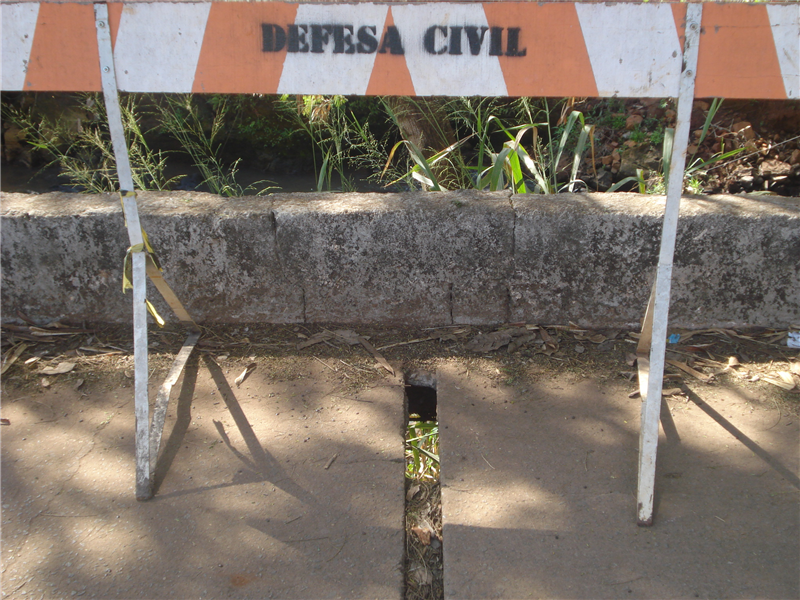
x: 148, y: 438
x: 651, y: 402
x: 141, y: 401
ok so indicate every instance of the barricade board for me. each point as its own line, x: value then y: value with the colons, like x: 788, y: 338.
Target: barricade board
x: 439, y: 48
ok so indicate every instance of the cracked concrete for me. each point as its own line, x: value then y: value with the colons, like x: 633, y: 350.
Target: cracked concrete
x: 249, y: 503
x: 413, y: 259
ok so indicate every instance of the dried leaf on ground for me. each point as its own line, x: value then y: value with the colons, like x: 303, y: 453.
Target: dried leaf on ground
x: 323, y: 336
x: 348, y: 336
x: 486, y: 342
x: 548, y: 339
x: 376, y: 355
x: 782, y: 379
x: 59, y: 369
x: 417, y: 341
x: 519, y: 342
x: 424, y: 535
x: 595, y: 338
x: 671, y: 392
x: 412, y: 491
x: 39, y: 331
x: 422, y: 576
x: 247, y: 370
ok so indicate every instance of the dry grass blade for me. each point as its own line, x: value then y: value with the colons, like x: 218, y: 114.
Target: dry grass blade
x: 11, y: 357
x: 408, y: 343
x: 376, y: 355
x: 687, y: 369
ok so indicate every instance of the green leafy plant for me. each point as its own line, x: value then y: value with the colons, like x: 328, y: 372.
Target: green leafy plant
x: 507, y: 167
x: 638, y: 136
x: 696, y: 167
x: 427, y: 124
x: 545, y: 161
x: 423, y: 169
x: 422, y: 450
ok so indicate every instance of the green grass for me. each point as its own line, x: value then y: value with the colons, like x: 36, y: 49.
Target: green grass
x: 422, y: 450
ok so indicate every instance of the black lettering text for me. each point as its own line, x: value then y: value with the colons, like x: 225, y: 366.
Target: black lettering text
x: 475, y: 38
x: 296, y: 38
x: 273, y: 37
x: 512, y: 43
x: 320, y: 37
x: 496, y: 42
x: 429, y: 40
x: 367, y: 42
x: 455, y: 41
x: 391, y: 41
x: 343, y: 39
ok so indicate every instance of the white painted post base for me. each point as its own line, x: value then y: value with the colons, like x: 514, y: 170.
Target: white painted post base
x: 141, y: 396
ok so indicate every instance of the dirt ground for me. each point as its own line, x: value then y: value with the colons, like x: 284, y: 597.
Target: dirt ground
x: 290, y: 484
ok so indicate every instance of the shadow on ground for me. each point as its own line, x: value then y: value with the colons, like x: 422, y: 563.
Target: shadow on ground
x: 293, y: 488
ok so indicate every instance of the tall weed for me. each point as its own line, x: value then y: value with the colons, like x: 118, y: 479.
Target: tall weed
x: 179, y: 116
x: 327, y: 124
x: 83, y: 150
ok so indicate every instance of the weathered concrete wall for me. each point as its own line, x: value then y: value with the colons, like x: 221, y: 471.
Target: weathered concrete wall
x: 419, y: 258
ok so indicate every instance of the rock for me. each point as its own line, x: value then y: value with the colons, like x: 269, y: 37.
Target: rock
x: 773, y: 168
x: 639, y: 157
x: 744, y: 128
x: 655, y: 111
x: 633, y: 121
x: 795, y: 158
x: 701, y: 105
x: 670, y: 114
x: 603, y: 181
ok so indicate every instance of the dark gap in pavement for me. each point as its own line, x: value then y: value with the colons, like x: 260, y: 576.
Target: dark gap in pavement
x: 421, y: 403
x: 423, y: 567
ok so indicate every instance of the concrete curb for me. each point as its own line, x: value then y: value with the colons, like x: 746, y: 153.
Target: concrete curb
x: 415, y: 258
